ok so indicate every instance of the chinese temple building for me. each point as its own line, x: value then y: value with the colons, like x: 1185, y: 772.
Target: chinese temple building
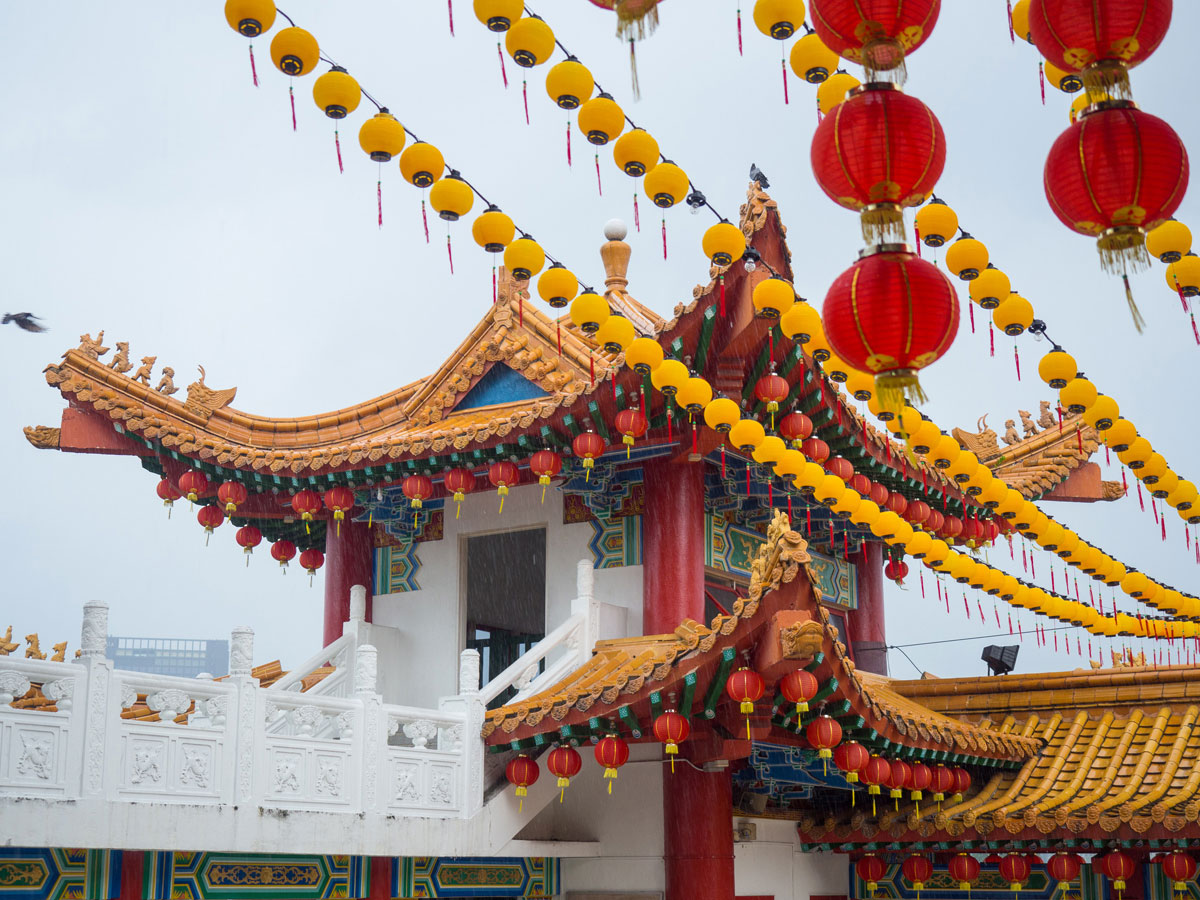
x: 543, y: 572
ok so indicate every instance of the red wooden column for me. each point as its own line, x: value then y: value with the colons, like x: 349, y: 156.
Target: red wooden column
x: 132, y: 867
x: 349, y: 560
x: 672, y: 545
x: 698, y: 826
x: 866, y: 627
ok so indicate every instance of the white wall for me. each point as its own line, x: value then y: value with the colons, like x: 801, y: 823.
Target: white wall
x: 425, y: 659
x: 773, y: 866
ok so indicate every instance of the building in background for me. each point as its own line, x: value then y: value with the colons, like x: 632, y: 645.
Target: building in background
x: 185, y: 657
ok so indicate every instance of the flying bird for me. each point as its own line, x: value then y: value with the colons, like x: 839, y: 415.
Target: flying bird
x: 25, y: 321
x: 757, y: 174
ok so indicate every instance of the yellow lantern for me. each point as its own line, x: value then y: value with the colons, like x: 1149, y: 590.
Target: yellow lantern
x: 967, y: 257
x: 336, y: 93
x: 570, y: 83
x: 800, y: 322
x: 924, y: 436
x: 1102, y: 413
x: 644, y: 355
x: 812, y: 60
x: 1057, y: 367
x: 694, y: 395
x: 601, y: 119
x: 529, y: 41
x: 829, y: 490
x: 1183, y: 497
x: 1166, y: 484
x: 294, y: 51
x: 1014, y: 315
x: 1020, y: 20
x: 558, y: 287
x: 1077, y: 396
x: 381, y: 136
x: 772, y: 297
x: 451, y: 197
x: 846, y: 504
x: 1120, y: 435
x: 936, y: 222
x: 250, y: 17
x: 944, y: 451
x: 769, y: 451
x: 833, y: 90
x: 669, y: 377
x: 589, y: 311
x: 1067, y: 82
x: 499, y: 15
x: 1155, y: 467
x: 867, y: 514
x: 860, y: 385
x: 1078, y: 105
x: 666, y: 184
x: 745, y: 434
x: 818, y: 345
x: 778, y: 18
x: 721, y: 414
x: 1135, y: 584
x: 876, y: 408
x: 1068, y: 543
x: 808, y: 479
x: 837, y: 369
x: 493, y: 230
x: 723, y: 243
x: 1115, y: 574
x: 1026, y: 513
x: 1169, y: 241
x: 525, y: 257
x: 1010, y: 502
x: 991, y: 288
x: 789, y: 465
x: 421, y: 164
x: 885, y: 526
x: 615, y: 334
x: 963, y: 467
x: 919, y: 544
x: 635, y: 152
x: 1184, y: 275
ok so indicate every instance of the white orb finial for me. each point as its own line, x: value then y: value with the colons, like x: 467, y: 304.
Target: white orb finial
x: 615, y: 230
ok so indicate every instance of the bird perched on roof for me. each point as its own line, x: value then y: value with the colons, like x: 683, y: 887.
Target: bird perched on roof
x: 25, y: 321
x: 757, y: 174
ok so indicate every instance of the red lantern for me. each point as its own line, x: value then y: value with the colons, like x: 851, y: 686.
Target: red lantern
x: 460, y: 482
x: 897, y: 503
x: 168, y: 494
x: 672, y: 729
x: 824, y: 733
x: 795, y: 427
x: 1180, y: 868
x: 917, y: 512
x: 210, y: 517
x: 248, y: 537
x: 521, y: 772
x: 1100, y: 40
x: 772, y: 390
x: 564, y: 763
x: 876, y: 33
x: 816, y: 450
x: 896, y: 570
x: 340, y: 499
x: 193, y: 485
x: 935, y: 521
x: 970, y: 532
x: 799, y: 686
x: 952, y: 527
x: 745, y: 686
x: 861, y: 483
x: 1118, y: 866
x: 919, y: 778
x: 612, y: 753
x: 232, y: 494
x: 311, y: 560
x: 870, y: 869
x: 898, y: 776
x: 503, y: 474
x: 1064, y: 867
x: 588, y: 446
x: 942, y: 783
x: 1014, y: 868
x: 876, y: 153
x: 962, y: 782
x: 964, y: 869
x: 632, y: 425
x: 879, y: 494
x: 876, y: 772
x: 841, y: 467
x: 282, y: 552
x: 892, y: 314
x: 851, y: 757
x: 918, y: 870
x: 545, y: 464
x: 418, y: 489
x: 307, y: 504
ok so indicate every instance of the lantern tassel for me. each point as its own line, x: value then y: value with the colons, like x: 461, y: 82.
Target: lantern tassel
x: 450, y: 253
x: 1138, y: 322
x: 503, y: 73
x: 991, y: 340
x: 739, y: 30
x: 882, y: 224
x: 292, y: 98
x: 253, y: 68
x: 599, y: 185
x: 1042, y: 81
x: 379, y: 200
x: 637, y: 91
x: 664, y: 236
x: 917, y: 239
x: 568, y: 142
x: 1195, y: 332
x: 558, y: 335
x: 1011, y: 33
x: 494, y: 297
x: 637, y: 219
x: 425, y: 220
x: 1017, y: 360
x: 971, y: 311
x: 722, y: 301
x: 783, y: 65
x: 525, y: 97
x: 337, y: 143
x: 450, y: 5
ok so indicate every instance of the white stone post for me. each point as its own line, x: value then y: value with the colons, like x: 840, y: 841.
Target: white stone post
x: 372, y: 736
x: 365, y: 669
x: 248, y: 727
x: 585, y: 604
x: 93, y: 642
x: 468, y: 672
x: 358, y: 603
x: 473, y: 751
x: 102, y: 709
x: 241, y: 651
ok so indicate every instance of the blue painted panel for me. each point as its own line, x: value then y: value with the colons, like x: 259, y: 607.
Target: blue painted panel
x: 500, y: 384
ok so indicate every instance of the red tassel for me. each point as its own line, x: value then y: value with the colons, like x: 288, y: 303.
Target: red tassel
x: 971, y: 310
x: 450, y: 4
x: 379, y: 200
x: 1053, y: 589
x: 1163, y: 521
x: 1042, y: 81
x: 946, y: 594
x: 1107, y: 458
x: 917, y: 236
x: 671, y: 435
x: 966, y: 606
x: 1124, y: 483
x: 337, y: 143
x: 937, y: 584
x: 1195, y: 333
x: 568, y: 143
x: 996, y: 610
x: 831, y: 550
x: 991, y: 340
x: 1010, y: 631
x: 253, y: 69
x: 739, y: 29
x: 820, y: 115
x: 845, y: 545
x: 1179, y: 291
x: 450, y: 254
x: 1154, y: 507
x: 599, y: 186
x: 1017, y: 360
x: 696, y: 450
x: 503, y: 73
x: 637, y: 219
x: 789, y: 495
x: 1011, y: 34
x: 424, y: 220
x: 783, y: 65
x: 1079, y: 439
x: 1032, y: 565
x: 292, y: 98
x: 770, y: 494
x: 525, y: 97
x: 748, y: 487
x: 494, y: 296
x: 521, y: 309
x: 921, y: 576
x: 722, y: 303
x: 592, y: 370
x: 722, y: 458
x: 1059, y: 410
x: 808, y: 527
x: 1141, y: 502
x: 664, y: 236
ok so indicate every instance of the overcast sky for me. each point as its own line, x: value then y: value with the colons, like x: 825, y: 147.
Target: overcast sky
x: 150, y: 190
